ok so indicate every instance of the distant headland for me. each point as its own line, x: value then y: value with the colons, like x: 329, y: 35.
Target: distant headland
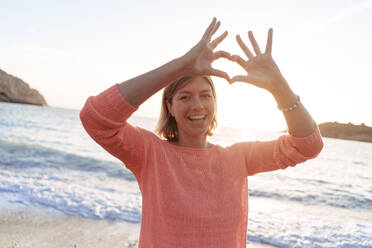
x: 15, y: 90
x: 347, y: 131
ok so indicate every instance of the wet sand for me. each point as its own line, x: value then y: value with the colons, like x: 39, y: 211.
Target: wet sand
x: 46, y: 228
x: 24, y: 226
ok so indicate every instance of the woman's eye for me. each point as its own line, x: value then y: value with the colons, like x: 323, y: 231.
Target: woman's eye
x: 183, y: 97
x: 206, y: 96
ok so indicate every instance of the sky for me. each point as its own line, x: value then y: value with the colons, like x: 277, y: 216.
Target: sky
x: 70, y: 50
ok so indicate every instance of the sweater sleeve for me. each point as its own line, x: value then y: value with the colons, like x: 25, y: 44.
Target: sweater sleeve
x: 104, y: 117
x: 285, y: 151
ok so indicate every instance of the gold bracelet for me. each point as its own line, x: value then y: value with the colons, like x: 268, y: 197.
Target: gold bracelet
x: 290, y: 107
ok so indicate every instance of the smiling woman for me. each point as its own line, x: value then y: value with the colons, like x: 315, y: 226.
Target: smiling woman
x: 195, y: 194
x: 193, y: 100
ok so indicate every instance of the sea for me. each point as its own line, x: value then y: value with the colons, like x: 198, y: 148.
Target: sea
x: 47, y: 160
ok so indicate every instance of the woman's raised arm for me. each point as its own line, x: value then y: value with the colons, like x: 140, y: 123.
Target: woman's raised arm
x: 196, y: 62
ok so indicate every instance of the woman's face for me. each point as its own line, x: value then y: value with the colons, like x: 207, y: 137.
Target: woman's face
x: 193, y: 107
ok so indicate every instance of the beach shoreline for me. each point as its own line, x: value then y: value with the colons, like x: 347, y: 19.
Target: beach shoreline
x: 28, y: 226
x: 25, y: 226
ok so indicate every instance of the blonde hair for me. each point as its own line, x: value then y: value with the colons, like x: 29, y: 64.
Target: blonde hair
x: 167, y: 125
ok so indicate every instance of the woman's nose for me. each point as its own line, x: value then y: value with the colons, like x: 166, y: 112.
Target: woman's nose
x: 197, y: 103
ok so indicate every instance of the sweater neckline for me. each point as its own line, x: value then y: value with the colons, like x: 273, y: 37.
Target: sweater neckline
x: 193, y: 149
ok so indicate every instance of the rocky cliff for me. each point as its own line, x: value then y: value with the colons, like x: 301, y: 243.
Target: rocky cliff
x: 13, y: 89
x: 346, y: 131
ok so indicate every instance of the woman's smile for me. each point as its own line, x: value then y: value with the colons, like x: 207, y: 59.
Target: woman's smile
x: 197, y: 117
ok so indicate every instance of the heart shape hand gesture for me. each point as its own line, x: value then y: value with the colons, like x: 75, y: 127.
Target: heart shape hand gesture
x: 261, y: 68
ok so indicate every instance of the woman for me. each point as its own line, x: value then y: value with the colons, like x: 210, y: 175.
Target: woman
x: 194, y: 193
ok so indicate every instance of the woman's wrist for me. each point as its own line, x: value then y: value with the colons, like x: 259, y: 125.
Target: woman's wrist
x: 283, y: 95
x: 180, y: 66
x: 183, y: 65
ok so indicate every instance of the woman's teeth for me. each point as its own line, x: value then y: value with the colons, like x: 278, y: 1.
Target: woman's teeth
x: 196, y: 117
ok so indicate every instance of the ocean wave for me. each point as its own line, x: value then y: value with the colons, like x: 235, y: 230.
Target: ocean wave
x: 25, y: 156
x: 337, y: 198
x: 318, y: 228
x: 74, y: 197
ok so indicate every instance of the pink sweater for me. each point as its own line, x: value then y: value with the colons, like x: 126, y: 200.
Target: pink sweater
x: 191, y: 197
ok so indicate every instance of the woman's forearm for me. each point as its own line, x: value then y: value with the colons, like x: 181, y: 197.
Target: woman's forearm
x: 137, y: 90
x: 299, y: 121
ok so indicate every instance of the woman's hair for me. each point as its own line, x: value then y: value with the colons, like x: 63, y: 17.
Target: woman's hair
x: 167, y: 125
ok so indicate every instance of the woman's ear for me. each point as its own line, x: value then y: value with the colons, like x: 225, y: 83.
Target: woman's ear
x: 169, y: 107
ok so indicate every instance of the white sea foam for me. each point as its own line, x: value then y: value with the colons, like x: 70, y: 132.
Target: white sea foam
x: 71, y: 196
x: 290, y: 224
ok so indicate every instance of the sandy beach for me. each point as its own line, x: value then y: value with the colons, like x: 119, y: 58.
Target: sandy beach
x: 24, y: 226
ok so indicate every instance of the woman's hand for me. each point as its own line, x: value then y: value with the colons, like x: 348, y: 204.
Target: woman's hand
x: 261, y: 69
x: 198, y: 61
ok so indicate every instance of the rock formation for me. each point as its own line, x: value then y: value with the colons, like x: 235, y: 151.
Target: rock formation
x: 346, y: 131
x: 14, y: 90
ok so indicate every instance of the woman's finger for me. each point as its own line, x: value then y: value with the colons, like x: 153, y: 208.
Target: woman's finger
x: 269, y: 43
x: 218, y: 40
x: 219, y: 73
x: 256, y: 48
x: 215, y: 28
x: 222, y: 54
x: 207, y: 33
x: 239, y: 60
x: 244, y: 47
x: 246, y: 79
x: 239, y: 78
